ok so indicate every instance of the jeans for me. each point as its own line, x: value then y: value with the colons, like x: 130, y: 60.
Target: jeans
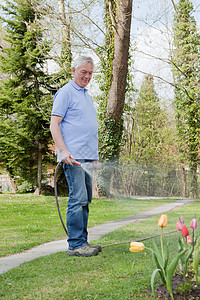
x: 80, y: 196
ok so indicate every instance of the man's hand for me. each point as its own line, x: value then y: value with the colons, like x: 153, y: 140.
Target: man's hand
x: 66, y: 157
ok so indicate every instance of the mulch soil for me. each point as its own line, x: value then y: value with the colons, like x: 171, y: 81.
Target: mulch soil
x: 194, y: 293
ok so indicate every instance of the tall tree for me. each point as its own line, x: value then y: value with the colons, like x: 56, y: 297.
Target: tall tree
x: 66, y: 53
x: 114, y: 62
x: 25, y: 99
x: 148, y: 144
x: 149, y: 121
x: 118, y: 23
x: 186, y: 65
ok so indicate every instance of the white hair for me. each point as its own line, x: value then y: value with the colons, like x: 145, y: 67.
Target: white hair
x: 82, y: 60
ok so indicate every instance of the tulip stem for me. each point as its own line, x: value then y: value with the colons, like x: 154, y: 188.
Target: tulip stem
x: 161, y: 240
x: 185, y: 242
x: 193, y: 241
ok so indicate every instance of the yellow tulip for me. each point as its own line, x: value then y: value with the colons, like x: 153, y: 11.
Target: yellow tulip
x: 162, y: 222
x: 136, y: 246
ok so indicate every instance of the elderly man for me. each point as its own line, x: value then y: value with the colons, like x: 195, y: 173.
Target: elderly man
x: 75, y: 131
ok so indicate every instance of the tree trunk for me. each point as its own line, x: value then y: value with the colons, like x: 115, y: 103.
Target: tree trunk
x: 13, y: 184
x: 120, y: 20
x: 194, y: 182
x: 39, y: 174
x: 183, y: 182
x: 66, y: 54
x: 95, y: 192
x: 12, y: 181
x: 116, y: 96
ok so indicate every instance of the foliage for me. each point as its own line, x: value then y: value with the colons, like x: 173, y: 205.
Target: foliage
x: 165, y: 268
x: 150, y: 150
x: 185, y: 287
x: 25, y: 95
x: 148, y: 126
x: 195, y: 264
x: 184, y: 259
x: 110, y: 141
x: 190, y: 245
x: 110, y: 128
x: 161, y: 256
x: 106, y: 54
x: 186, y: 62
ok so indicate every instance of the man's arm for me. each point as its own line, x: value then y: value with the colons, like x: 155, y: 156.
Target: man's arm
x: 58, y: 139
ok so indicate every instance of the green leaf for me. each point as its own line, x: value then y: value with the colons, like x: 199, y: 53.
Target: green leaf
x: 180, y: 244
x: 161, y: 271
x: 196, y: 260
x: 166, y: 256
x: 188, y: 255
x: 153, y: 279
x: 159, y: 263
x: 170, y: 271
x: 158, y: 255
x: 184, y: 260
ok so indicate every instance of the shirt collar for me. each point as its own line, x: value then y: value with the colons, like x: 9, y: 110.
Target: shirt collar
x: 77, y: 87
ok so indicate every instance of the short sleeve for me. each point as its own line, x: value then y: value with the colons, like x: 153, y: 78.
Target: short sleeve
x: 60, y: 103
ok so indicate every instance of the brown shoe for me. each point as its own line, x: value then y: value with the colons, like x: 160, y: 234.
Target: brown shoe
x: 83, y: 251
x: 98, y: 247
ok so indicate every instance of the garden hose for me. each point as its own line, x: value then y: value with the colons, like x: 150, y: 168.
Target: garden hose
x: 65, y: 229
x: 140, y: 240
x: 56, y: 190
x: 56, y: 195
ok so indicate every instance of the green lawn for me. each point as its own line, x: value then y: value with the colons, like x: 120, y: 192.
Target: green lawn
x: 116, y: 273
x: 27, y: 220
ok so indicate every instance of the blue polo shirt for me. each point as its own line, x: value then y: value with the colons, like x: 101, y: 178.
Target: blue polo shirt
x: 79, y: 126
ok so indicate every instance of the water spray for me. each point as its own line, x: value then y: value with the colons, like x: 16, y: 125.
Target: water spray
x: 65, y: 229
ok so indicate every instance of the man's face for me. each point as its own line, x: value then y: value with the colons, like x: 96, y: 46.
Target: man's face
x: 83, y: 75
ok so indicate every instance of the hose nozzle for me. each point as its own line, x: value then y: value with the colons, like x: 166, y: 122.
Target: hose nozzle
x: 75, y: 162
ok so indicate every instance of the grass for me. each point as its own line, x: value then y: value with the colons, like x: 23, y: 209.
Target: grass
x: 27, y: 220
x: 112, y: 274
x: 116, y: 273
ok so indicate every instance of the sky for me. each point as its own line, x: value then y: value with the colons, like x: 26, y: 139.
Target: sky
x: 149, y: 35
x: 151, y: 18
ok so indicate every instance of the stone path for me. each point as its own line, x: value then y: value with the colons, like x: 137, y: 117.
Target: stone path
x: 15, y: 260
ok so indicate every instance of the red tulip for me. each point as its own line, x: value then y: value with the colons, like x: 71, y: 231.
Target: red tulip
x: 179, y: 226
x: 193, y: 224
x: 185, y: 231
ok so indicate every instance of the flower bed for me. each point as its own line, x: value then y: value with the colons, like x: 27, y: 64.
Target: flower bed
x: 182, y: 284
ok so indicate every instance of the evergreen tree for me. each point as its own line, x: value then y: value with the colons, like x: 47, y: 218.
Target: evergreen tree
x: 186, y: 65
x: 148, y: 144
x: 25, y: 101
x: 149, y: 122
